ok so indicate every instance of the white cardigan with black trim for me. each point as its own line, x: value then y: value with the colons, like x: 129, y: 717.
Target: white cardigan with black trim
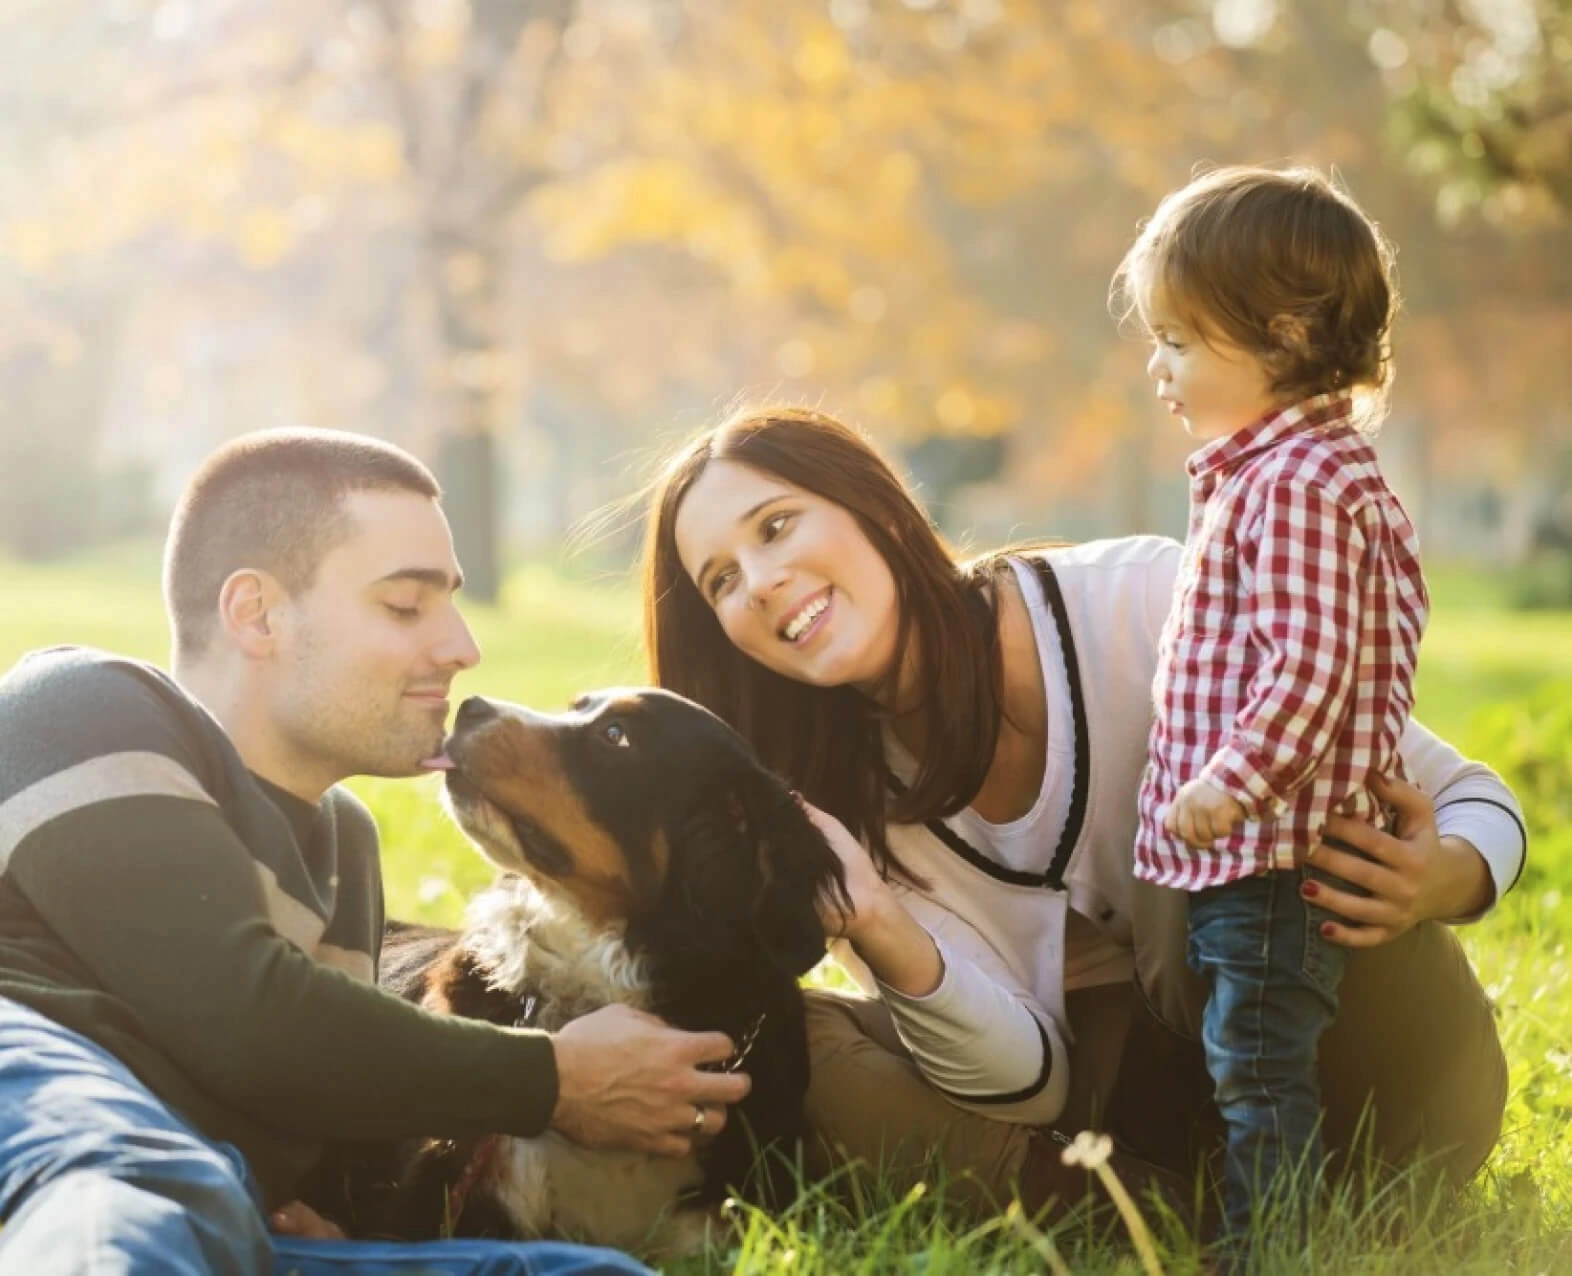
x: 992, y: 1036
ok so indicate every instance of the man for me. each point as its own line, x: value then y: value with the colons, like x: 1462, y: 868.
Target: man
x: 191, y: 908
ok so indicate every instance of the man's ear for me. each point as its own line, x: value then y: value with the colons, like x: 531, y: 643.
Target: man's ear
x: 247, y: 605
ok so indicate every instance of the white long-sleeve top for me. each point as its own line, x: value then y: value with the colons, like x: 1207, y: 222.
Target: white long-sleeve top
x: 993, y: 1036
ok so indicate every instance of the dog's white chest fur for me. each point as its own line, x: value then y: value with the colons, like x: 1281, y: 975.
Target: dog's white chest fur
x: 553, y: 1186
x: 532, y: 945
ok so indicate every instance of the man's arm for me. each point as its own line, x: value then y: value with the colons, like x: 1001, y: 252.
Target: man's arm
x: 156, y: 896
x: 172, y: 923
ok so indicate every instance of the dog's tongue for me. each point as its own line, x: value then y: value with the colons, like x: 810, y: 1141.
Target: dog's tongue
x: 437, y: 762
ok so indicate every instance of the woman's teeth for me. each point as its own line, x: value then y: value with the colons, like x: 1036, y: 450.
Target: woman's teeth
x: 805, y: 617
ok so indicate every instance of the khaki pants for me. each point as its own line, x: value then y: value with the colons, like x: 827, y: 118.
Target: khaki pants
x: 1415, y: 1044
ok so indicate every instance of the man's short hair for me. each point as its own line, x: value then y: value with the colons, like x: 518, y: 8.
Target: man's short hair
x: 273, y: 501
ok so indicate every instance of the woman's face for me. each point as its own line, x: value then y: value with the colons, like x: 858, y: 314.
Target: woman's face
x: 792, y: 579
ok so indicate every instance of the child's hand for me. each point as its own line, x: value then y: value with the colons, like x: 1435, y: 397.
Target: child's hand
x: 1201, y: 813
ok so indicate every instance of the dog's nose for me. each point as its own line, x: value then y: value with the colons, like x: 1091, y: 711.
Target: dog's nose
x: 474, y: 711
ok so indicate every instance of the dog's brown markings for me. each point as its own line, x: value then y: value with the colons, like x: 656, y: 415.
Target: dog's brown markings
x: 451, y: 989
x: 524, y: 776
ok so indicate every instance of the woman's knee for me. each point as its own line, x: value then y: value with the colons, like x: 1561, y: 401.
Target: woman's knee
x: 1413, y: 1070
x: 870, y: 1106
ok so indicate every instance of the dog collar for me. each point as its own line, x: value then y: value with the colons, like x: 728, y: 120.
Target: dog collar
x: 740, y: 1055
x: 457, y: 1196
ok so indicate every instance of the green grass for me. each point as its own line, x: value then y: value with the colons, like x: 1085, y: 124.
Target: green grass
x: 1496, y: 683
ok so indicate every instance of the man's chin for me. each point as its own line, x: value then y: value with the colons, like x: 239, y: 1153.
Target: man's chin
x: 421, y: 757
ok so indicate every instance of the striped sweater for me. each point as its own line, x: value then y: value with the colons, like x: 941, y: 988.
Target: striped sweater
x: 218, y: 935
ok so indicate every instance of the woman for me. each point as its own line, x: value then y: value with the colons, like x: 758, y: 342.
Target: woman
x: 981, y: 730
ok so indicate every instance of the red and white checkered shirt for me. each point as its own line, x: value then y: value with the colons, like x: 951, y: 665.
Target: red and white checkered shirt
x: 1286, y: 667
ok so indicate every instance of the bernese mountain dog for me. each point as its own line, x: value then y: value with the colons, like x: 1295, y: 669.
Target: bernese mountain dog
x: 647, y: 858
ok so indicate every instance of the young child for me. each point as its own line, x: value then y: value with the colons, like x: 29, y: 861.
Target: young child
x: 1285, y: 669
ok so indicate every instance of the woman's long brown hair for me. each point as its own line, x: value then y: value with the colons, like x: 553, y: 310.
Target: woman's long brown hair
x: 827, y: 740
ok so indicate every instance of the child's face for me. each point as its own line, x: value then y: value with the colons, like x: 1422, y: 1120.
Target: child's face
x: 1213, y: 387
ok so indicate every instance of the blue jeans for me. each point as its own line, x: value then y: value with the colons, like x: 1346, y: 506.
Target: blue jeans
x: 1273, y: 981
x: 98, y: 1175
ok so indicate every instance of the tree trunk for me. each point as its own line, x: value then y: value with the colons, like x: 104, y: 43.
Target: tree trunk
x: 466, y: 466
x: 51, y: 480
x: 466, y: 271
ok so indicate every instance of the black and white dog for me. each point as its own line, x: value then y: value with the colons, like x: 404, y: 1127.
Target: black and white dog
x: 649, y: 859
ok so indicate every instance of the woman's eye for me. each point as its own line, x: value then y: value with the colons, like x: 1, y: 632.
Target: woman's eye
x: 612, y: 733
x: 774, y: 525
x: 720, y: 582
x: 403, y: 613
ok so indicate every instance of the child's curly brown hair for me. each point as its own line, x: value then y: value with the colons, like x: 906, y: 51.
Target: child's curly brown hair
x: 1280, y: 263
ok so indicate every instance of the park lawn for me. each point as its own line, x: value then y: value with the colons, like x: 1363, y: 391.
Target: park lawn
x: 1496, y: 683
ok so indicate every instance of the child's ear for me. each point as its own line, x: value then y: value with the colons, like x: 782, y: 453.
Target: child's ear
x: 1291, y: 333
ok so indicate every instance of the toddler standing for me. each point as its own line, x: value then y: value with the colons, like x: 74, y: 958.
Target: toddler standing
x: 1286, y: 666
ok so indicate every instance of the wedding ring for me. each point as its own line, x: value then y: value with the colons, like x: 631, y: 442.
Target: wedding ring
x: 698, y: 1119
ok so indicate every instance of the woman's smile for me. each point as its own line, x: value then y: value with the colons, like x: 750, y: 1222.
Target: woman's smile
x: 808, y: 620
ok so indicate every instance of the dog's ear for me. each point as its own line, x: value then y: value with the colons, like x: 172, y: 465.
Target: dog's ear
x: 718, y: 880
x: 795, y: 867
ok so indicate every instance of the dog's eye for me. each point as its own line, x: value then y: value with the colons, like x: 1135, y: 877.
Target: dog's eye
x: 612, y: 733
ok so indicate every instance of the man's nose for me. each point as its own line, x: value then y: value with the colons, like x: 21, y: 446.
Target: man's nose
x: 458, y: 648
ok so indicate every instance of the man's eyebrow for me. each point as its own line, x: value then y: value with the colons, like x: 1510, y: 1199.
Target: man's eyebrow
x: 746, y: 514
x: 433, y: 576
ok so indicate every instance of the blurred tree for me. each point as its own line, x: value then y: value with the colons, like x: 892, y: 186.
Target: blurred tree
x: 60, y: 311
x: 1484, y: 101
x: 908, y: 212
x: 804, y: 155
x: 57, y: 360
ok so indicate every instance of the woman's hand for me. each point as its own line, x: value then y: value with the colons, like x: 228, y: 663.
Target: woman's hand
x: 1412, y: 874
x: 864, y: 887
x: 891, y: 942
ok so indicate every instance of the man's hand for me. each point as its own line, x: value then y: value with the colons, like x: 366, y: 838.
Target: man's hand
x: 299, y: 1219
x: 625, y: 1079
x: 1201, y: 813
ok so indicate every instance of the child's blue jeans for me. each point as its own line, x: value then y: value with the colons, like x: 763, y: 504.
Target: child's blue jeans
x: 1273, y: 981
x: 97, y: 1175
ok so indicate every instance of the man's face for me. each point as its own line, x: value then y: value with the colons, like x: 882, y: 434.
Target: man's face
x: 365, y: 655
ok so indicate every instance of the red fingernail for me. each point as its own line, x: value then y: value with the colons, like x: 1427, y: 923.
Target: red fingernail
x: 1326, y: 930
x: 1310, y: 890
